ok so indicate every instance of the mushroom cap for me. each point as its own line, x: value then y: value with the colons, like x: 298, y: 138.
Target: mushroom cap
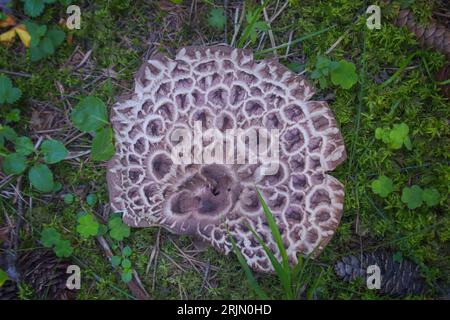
x: 225, y: 88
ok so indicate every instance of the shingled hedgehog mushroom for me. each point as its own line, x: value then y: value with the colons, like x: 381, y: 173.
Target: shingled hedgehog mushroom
x: 224, y: 88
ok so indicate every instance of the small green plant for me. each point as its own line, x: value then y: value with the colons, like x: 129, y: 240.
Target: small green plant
x: 35, y: 8
x: 342, y: 73
x: 25, y: 156
x: 254, y: 24
x: 51, y: 238
x: 44, y: 40
x: 8, y: 93
x: 90, y: 115
x: 217, y: 18
x: 87, y: 225
x: 382, y: 186
x: 117, y: 229
x: 415, y: 196
x: 395, y: 137
x: 293, y: 278
x: 125, y: 263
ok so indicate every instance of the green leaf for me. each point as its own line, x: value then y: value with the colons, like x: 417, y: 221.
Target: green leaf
x: 3, y: 277
x: 34, y: 8
x: 344, y: 74
x: 431, y: 196
x: 118, y: 230
x: 50, y: 237
x: 54, y: 151
x: 412, y: 197
x: 89, y: 115
x: 102, y: 145
x: 91, y: 199
x: 126, y: 264
x: 126, y: 251
x: 8, y: 94
x: 36, y: 32
x: 56, y: 36
x: 217, y: 18
x: 14, y: 163
x: 24, y: 146
x: 41, y: 178
x: 397, y: 135
x: 68, y: 198
x: 115, y: 261
x: 63, y: 249
x: 127, y: 276
x: 382, y: 186
x: 7, y: 133
x: 397, y: 257
x: 87, y: 226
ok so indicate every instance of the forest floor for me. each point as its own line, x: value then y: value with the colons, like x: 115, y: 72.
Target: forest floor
x: 395, y: 85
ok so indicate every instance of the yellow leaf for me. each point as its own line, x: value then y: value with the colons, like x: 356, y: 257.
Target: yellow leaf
x: 23, y: 35
x: 8, y: 36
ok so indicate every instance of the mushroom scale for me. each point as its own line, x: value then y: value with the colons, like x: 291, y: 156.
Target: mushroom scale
x: 225, y: 88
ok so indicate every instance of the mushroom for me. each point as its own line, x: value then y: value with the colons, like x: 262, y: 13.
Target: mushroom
x: 223, y: 88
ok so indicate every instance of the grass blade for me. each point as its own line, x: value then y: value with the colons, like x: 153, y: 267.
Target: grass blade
x: 249, y: 274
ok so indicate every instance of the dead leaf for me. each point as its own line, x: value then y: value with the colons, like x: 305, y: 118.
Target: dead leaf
x: 20, y: 30
x: 8, y: 22
x: 23, y: 34
x: 8, y: 36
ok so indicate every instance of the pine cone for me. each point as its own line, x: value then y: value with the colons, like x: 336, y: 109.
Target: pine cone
x: 442, y: 75
x: 433, y: 35
x: 44, y: 273
x: 397, y: 278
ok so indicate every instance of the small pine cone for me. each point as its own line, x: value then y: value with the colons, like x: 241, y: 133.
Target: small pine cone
x: 397, y: 278
x: 9, y: 291
x: 46, y: 274
x: 433, y: 35
x: 442, y: 75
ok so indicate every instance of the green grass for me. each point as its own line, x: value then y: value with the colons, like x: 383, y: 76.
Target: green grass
x: 391, y: 89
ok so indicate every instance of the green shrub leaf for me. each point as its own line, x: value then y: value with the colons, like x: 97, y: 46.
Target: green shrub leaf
x: 102, y: 145
x: 217, y: 18
x: 117, y: 229
x: 54, y: 151
x: 41, y: 178
x: 14, y: 163
x: 90, y: 114
x: 63, y: 249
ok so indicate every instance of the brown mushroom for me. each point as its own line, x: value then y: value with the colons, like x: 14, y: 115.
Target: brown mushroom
x: 224, y: 88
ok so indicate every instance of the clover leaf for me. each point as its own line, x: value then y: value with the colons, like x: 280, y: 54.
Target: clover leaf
x: 91, y: 199
x: 382, y: 186
x: 127, y: 276
x: 412, y: 197
x: 34, y: 8
x: 217, y: 19
x: 117, y: 229
x: 44, y: 41
x: 63, y: 249
x: 90, y: 114
x: 53, y: 151
x: 68, y: 198
x: 41, y: 178
x: 344, y: 74
x: 50, y: 237
x: 87, y: 226
x: 431, y: 196
x: 115, y: 261
x: 126, y: 251
x: 8, y: 93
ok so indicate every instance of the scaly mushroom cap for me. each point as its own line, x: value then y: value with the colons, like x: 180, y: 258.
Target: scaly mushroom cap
x: 225, y: 88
